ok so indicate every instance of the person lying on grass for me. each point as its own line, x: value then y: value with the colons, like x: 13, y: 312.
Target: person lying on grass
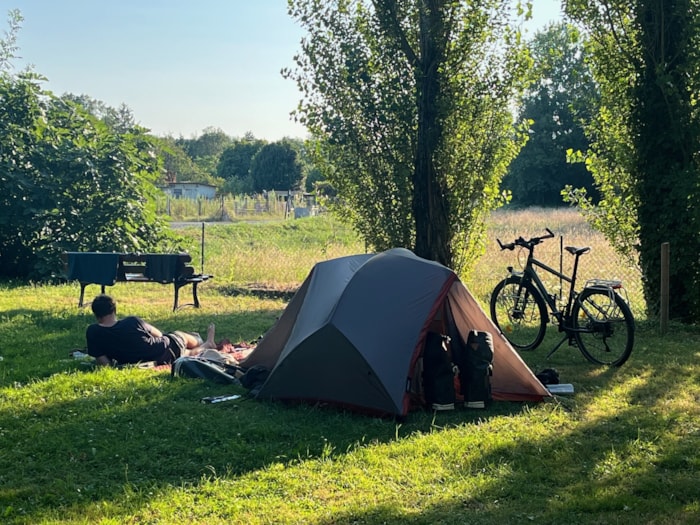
x: 132, y: 340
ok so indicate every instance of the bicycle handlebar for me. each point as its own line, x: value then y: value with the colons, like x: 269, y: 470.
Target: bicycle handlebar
x: 529, y: 244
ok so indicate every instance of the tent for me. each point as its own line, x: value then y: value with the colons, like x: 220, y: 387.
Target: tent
x: 354, y: 331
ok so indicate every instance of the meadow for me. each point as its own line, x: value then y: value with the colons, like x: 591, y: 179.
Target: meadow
x: 80, y: 445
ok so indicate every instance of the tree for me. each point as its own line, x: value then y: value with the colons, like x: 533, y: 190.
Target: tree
x: 8, y: 44
x: 235, y: 161
x: 559, y: 102
x: 211, y: 143
x: 69, y: 182
x: 119, y: 119
x: 313, y: 177
x: 276, y: 167
x: 178, y: 166
x: 205, y: 151
x: 414, y: 127
x: 644, y: 156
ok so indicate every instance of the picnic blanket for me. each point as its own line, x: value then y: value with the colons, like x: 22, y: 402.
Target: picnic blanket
x: 231, y: 353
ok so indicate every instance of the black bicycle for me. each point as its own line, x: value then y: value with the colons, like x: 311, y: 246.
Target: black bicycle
x: 597, y: 319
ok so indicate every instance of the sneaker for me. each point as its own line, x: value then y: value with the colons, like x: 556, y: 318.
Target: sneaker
x: 443, y: 406
x: 475, y: 404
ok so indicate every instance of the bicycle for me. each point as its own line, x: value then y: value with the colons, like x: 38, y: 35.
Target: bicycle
x: 596, y: 319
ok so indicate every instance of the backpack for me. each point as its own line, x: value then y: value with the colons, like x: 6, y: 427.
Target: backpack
x: 438, y: 374
x: 254, y: 378
x: 200, y: 368
x: 476, y: 369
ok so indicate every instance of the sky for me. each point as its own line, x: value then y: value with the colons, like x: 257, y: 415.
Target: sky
x: 180, y: 65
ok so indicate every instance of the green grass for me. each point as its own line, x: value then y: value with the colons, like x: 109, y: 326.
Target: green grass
x: 109, y: 446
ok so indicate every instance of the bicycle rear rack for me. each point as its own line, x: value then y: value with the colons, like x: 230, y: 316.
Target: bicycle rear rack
x: 613, y: 285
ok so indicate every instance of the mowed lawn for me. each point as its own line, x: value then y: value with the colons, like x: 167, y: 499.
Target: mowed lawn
x: 79, y: 445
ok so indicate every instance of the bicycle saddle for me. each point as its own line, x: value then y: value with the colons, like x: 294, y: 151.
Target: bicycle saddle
x: 573, y: 250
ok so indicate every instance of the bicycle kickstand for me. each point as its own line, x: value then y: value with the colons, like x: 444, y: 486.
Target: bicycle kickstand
x: 557, y: 347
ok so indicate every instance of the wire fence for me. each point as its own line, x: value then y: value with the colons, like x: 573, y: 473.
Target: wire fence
x: 570, y: 228
x: 270, y: 205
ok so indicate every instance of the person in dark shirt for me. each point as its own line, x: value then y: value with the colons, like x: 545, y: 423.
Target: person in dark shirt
x: 133, y: 340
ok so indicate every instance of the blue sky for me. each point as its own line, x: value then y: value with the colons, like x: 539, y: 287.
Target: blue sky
x: 180, y: 65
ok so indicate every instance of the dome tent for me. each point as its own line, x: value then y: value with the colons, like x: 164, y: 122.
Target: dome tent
x: 354, y: 332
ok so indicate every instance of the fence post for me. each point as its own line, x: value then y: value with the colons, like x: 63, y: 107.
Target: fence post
x: 664, y: 292
x: 202, y: 258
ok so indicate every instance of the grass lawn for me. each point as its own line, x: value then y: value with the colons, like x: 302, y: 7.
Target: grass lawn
x: 135, y: 446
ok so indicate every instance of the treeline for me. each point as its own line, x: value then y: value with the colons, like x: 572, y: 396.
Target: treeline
x: 235, y: 165
x: 238, y: 165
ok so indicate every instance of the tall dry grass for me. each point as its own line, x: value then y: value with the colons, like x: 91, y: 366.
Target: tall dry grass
x: 570, y: 229
x: 280, y: 254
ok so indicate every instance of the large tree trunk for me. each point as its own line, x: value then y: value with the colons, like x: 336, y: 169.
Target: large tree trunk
x: 430, y: 203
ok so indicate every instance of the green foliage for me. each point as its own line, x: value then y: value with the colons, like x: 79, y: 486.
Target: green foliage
x: 70, y: 182
x: 211, y: 143
x: 8, y: 44
x: 313, y: 178
x: 415, y: 133
x: 276, y: 167
x: 559, y: 102
x: 120, y: 120
x: 178, y: 166
x: 646, y: 137
x: 205, y: 151
x: 235, y: 160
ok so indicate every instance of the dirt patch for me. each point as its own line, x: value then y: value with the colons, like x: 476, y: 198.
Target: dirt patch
x: 261, y: 290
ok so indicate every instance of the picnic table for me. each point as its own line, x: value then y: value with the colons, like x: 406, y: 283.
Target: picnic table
x: 108, y: 268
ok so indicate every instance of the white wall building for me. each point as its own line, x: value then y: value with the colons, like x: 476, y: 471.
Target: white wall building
x: 189, y: 190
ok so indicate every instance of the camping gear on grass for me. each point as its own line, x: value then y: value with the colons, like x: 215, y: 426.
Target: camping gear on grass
x: 354, y: 332
x: 477, y: 370
x: 196, y: 367
x: 438, y: 373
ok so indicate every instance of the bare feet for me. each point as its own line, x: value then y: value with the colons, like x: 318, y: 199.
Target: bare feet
x: 210, y: 342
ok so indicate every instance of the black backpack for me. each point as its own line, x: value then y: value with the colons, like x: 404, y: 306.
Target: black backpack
x: 254, y: 378
x: 200, y: 368
x: 476, y: 369
x: 438, y: 375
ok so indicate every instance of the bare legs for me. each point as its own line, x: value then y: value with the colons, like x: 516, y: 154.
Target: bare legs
x: 194, y: 342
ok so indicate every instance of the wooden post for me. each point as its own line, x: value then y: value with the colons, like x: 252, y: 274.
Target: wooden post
x: 664, y: 292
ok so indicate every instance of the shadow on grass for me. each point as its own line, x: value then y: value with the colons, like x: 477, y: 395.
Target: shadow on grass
x: 259, y: 290
x: 149, y: 431
x: 635, y: 463
x: 122, y: 437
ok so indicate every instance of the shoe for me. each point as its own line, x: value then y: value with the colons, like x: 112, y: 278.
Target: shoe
x: 443, y: 406
x: 475, y: 404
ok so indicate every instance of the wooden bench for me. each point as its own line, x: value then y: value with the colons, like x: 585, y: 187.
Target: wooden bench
x: 108, y: 268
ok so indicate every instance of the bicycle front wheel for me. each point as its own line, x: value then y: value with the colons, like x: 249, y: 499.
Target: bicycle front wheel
x: 604, y: 326
x: 519, y: 312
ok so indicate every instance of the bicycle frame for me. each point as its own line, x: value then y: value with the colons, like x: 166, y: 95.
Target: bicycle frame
x: 563, y: 315
x: 560, y: 314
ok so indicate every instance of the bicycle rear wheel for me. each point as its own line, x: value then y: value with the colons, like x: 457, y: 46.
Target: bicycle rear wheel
x: 519, y: 312
x: 604, y: 326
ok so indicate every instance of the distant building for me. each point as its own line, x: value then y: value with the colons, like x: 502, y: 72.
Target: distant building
x: 189, y: 190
